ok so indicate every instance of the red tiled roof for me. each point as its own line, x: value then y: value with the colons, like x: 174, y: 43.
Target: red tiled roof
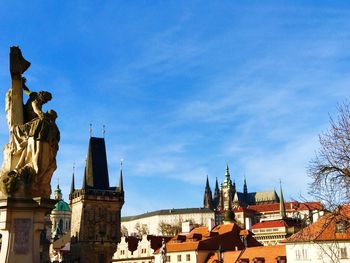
x: 269, y: 253
x: 225, y: 236
x: 325, y: 228
x: 290, y: 206
x: 269, y: 224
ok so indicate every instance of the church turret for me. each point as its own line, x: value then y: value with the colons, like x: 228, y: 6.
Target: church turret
x: 208, y: 200
x: 226, y: 192
x: 58, y: 193
x: 282, y: 207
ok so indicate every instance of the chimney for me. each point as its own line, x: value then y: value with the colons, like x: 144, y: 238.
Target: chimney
x: 187, y: 227
x: 210, y: 224
x: 248, y: 223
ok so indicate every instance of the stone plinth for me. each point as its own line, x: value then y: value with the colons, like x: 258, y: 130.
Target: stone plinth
x: 21, y: 223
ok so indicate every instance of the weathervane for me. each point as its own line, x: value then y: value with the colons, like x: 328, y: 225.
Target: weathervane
x: 90, y: 130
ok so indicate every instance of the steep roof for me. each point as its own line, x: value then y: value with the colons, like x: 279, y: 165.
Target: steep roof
x: 289, y: 206
x: 227, y: 237
x: 275, y: 223
x: 96, y: 165
x: 168, y: 212
x: 256, y: 197
x: 326, y: 228
x: 269, y: 253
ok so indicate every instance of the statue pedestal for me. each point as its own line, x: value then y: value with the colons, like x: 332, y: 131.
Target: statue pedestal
x: 21, y: 223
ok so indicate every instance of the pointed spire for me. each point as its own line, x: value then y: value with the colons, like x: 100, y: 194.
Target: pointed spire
x: 216, y: 199
x: 72, y: 186
x: 121, y: 187
x: 217, y: 185
x: 227, y: 174
x: 245, y: 188
x: 208, y: 199
x: 207, y: 183
x: 282, y: 207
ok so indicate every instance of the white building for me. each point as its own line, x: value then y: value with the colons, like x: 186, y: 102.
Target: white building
x: 327, y: 240
x: 151, y: 221
x: 134, y: 250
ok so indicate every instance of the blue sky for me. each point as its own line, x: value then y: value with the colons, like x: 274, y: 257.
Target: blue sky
x: 184, y: 87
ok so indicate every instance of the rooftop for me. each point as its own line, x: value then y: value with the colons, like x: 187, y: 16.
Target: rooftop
x: 330, y: 227
x: 168, y: 212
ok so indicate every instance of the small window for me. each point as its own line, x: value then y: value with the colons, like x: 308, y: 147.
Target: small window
x: 167, y: 258
x: 178, y: 258
x: 343, y: 253
x: 188, y: 257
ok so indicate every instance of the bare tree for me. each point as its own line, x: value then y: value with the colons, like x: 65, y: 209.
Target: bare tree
x: 124, y: 231
x: 141, y: 229
x: 330, y: 169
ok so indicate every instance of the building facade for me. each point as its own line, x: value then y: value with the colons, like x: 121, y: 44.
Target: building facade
x: 326, y: 241
x: 138, y: 250
x: 96, y: 208
x: 152, y: 222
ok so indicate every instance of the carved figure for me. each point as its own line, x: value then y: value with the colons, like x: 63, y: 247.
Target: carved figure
x: 163, y: 252
x: 30, y: 156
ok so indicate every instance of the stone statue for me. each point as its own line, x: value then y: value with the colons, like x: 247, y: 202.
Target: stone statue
x: 30, y: 155
x: 163, y: 252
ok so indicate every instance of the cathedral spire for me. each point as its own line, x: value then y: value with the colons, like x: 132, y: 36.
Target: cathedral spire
x: 208, y: 199
x: 207, y: 184
x: 282, y: 207
x: 216, y: 200
x: 245, y: 188
x: 227, y: 174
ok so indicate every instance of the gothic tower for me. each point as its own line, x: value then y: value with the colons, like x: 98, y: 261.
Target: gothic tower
x: 226, y: 191
x: 96, y: 207
x: 216, y: 200
x: 208, y: 199
x: 227, y: 197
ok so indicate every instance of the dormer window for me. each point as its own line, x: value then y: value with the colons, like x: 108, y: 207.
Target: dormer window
x: 341, y: 226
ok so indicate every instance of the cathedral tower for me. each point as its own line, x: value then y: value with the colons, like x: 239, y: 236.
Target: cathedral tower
x: 96, y: 208
x: 208, y: 199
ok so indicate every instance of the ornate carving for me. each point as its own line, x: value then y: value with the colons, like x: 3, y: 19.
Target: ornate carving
x: 30, y: 155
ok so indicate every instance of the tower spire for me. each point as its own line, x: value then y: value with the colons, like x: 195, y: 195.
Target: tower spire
x: 72, y: 186
x: 208, y: 199
x: 282, y: 207
x: 245, y: 188
x: 121, y: 187
x: 227, y: 174
x: 216, y: 200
